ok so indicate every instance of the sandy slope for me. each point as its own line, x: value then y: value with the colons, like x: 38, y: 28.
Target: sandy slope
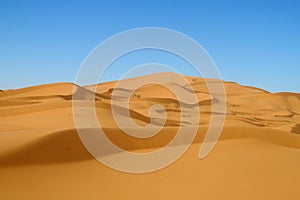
x: 42, y: 157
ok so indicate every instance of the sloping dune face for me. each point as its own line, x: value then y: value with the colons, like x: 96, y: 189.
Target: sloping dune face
x: 42, y: 156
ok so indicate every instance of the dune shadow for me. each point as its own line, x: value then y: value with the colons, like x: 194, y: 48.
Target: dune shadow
x: 58, y: 147
x: 66, y: 147
x: 296, y: 129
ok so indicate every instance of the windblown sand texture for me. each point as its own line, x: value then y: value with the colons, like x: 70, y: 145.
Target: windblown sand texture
x: 256, y: 157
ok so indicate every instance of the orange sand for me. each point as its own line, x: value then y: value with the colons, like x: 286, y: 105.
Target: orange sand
x: 42, y: 157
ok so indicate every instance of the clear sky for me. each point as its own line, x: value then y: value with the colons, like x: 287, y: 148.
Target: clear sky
x: 252, y: 42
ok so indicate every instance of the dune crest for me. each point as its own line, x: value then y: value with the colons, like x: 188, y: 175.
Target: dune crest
x: 257, y: 155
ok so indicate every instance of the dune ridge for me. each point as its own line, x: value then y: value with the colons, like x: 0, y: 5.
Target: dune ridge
x: 257, y: 153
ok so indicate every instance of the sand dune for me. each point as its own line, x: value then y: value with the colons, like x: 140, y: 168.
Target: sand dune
x: 42, y: 157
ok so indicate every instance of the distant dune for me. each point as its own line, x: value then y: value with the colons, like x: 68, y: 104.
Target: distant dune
x: 42, y: 157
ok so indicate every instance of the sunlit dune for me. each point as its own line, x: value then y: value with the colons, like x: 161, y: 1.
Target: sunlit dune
x: 42, y: 157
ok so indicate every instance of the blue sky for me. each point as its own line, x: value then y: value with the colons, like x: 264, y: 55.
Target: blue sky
x: 252, y: 42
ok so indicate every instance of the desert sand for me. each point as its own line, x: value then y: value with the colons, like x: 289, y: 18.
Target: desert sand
x: 256, y: 157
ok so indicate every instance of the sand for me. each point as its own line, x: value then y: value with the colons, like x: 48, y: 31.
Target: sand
x: 256, y: 157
